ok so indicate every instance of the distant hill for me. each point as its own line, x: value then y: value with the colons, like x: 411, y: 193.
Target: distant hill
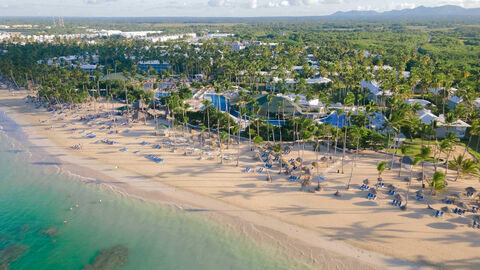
x: 446, y: 12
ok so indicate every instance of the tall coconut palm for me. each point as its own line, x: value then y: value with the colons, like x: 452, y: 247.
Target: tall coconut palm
x: 416, y: 160
x: 223, y: 137
x: 381, y: 167
x: 424, y: 154
x: 206, y: 104
x: 405, y: 149
x: 438, y: 182
x: 464, y: 167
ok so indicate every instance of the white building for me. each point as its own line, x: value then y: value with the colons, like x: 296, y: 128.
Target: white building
x: 453, y: 102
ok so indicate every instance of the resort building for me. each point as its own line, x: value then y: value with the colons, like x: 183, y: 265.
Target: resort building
x: 155, y: 64
x: 458, y: 127
x: 453, y: 102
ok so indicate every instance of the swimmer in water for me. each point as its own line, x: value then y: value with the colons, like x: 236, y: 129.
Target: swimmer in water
x: 76, y: 205
x: 65, y: 221
x: 99, y: 201
x: 71, y: 208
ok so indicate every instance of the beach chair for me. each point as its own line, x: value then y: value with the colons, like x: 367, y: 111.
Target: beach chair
x: 247, y: 169
x: 293, y: 178
x: 124, y: 149
x: 260, y: 170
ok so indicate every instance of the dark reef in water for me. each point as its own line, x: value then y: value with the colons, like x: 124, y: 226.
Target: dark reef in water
x: 51, y: 231
x: 10, y: 254
x: 109, y: 259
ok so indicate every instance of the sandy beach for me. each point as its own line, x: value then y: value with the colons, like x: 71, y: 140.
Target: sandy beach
x: 326, y: 231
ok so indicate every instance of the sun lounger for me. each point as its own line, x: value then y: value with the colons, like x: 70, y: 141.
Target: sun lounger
x: 124, y: 149
x: 144, y: 143
x: 447, y: 201
x: 260, y: 170
x: 268, y: 166
x: 292, y: 178
x: 247, y: 169
x: 154, y: 158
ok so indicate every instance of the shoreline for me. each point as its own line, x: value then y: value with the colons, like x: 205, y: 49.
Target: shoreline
x: 323, y: 251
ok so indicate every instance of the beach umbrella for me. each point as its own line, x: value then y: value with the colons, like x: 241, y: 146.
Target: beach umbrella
x: 337, y: 194
x: 455, y: 195
x: 462, y: 205
x: 391, y: 187
x: 476, y: 218
x: 398, y: 197
x: 445, y: 209
x: 471, y: 190
x: 407, y: 160
x: 372, y: 191
x: 419, y: 193
x: 366, y: 182
x: 299, y: 159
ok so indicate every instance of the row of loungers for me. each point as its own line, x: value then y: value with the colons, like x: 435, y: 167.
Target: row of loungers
x: 154, y: 158
x: 459, y: 211
x: 476, y: 225
x: 438, y: 213
x: 397, y: 203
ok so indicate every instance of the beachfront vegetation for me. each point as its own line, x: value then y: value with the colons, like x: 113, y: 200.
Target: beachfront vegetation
x: 407, y: 60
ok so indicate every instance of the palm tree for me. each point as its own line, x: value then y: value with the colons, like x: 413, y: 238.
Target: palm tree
x: 438, y: 182
x: 207, y: 103
x: 381, y: 166
x: 269, y: 100
x: 416, y: 160
x: 446, y: 147
x: 223, y: 137
x: 405, y: 149
x: 424, y: 154
x: 464, y: 167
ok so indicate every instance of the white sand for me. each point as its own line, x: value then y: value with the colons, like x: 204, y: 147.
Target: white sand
x: 349, y: 232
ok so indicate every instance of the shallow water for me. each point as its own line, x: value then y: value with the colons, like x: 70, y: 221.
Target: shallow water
x: 35, y: 200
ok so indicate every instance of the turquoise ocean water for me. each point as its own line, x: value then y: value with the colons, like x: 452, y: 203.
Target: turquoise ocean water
x: 35, y: 200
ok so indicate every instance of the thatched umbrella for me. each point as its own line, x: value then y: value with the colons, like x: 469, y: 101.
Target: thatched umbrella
x: 366, y: 182
x: 372, y: 191
x: 407, y: 160
x: 476, y: 218
x: 455, y: 195
x: 391, y: 187
x: 296, y: 163
x: 471, y: 190
x: 462, y: 205
x: 445, y: 209
x: 398, y: 197
x: 419, y: 193
x: 299, y: 159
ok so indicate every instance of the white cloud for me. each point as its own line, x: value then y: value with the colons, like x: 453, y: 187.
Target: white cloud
x: 98, y: 1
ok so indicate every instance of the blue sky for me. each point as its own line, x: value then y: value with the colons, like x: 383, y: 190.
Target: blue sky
x: 207, y: 8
